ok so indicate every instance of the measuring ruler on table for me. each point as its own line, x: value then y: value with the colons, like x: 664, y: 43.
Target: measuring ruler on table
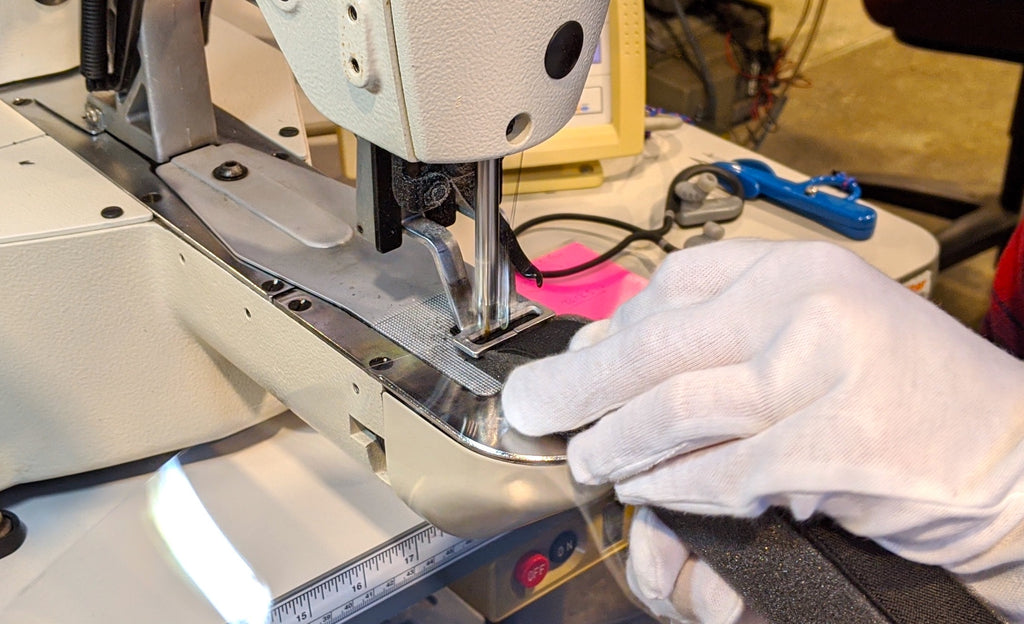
x: 355, y: 586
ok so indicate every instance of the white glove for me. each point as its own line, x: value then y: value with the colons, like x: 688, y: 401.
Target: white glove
x: 750, y: 374
x: 673, y: 584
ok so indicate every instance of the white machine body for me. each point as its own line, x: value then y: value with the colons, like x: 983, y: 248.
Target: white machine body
x: 121, y: 341
x: 435, y: 80
x: 37, y: 39
x: 133, y: 342
x: 98, y: 368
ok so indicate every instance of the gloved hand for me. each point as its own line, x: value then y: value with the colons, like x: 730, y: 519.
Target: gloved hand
x: 750, y: 374
x: 672, y: 583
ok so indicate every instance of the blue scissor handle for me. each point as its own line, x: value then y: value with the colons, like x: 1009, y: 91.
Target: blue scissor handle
x: 843, y: 214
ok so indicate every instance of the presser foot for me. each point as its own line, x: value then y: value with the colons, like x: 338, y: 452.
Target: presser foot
x: 526, y: 314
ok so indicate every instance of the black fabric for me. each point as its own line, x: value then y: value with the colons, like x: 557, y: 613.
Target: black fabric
x: 548, y: 338
x: 816, y: 572
x: 903, y: 590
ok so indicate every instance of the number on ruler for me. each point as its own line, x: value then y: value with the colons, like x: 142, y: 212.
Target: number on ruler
x: 365, y: 586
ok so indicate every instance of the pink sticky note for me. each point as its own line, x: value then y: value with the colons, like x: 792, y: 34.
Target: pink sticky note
x: 594, y: 293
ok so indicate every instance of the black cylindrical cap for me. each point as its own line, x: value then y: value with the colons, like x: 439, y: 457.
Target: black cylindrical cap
x: 564, y: 50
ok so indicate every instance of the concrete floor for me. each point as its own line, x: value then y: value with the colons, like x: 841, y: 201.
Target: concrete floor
x: 875, y: 104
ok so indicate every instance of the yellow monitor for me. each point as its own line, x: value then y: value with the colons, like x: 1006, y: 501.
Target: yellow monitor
x: 609, y: 120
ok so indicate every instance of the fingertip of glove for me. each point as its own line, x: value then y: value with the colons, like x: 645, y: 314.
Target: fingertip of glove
x: 520, y: 406
x: 656, y: 558
x: 590, y: 334
x: 581, y: 473
x: 581, y: 462
x: 713, y: 599
x: 660, y: 606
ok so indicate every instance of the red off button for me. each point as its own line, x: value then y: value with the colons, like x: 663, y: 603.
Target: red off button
x: 531, y: 569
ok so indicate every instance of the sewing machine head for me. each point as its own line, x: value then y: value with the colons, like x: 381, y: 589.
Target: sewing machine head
x: 441, y: 81
x: 457, y: 85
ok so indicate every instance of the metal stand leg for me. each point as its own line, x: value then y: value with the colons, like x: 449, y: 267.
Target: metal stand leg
x: 1013, y: 179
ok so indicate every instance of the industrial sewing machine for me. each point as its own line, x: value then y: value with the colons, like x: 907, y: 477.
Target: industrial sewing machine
x: 248, y: 279
x: 195, y: 277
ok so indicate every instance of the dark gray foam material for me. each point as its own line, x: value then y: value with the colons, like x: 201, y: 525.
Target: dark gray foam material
x: 805, y: 573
